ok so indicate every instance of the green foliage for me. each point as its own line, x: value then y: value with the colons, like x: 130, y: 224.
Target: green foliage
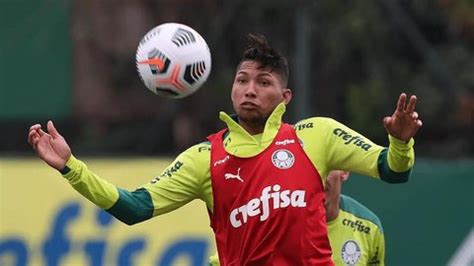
x: 365, y: 104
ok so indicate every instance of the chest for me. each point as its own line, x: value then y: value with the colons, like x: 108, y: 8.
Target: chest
x: 351, y: 242
x: 279, y: 170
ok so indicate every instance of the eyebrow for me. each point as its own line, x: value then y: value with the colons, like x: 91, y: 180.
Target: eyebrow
x: 259, y: 75
x: 265, y: 74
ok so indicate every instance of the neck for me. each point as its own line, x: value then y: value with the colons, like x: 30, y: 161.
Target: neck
x: 332, y: 210
x: 253, y: 127
x: 252, y: 130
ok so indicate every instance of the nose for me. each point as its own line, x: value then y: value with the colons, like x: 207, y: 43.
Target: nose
x: 250, y: 90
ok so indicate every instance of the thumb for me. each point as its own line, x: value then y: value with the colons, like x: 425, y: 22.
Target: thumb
x: 52, y: 130
x: 387, y: 122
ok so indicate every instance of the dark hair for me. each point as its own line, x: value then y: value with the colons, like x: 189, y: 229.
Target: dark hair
x: 260, y: 51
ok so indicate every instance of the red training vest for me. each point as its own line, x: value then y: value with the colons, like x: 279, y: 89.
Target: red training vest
x: 268, y: 209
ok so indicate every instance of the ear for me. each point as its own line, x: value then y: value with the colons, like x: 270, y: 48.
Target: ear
x: 287, y: 95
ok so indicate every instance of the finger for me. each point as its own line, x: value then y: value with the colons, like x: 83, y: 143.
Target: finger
x: 41, y: 132
x: 31, y: 139
x: 35, y: 127
x: 31, y: 135
x: 43, y: 142
x: 52, y: 130
x: 419, y: 123
x: 401, y: 102
x: 35, y: 144
x: 414, y: 115
x: 34, y: 140
x: 386, y: 121
x: 411, y: 104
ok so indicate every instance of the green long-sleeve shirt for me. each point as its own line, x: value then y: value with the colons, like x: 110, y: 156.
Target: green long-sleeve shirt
x: 329, y: 145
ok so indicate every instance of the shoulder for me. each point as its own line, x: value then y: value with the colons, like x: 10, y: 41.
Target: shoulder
x: 319, y: 129
x: 200, y: 148
x: 189, y: 169
x: 194, y: 160
x: 315, y: 122
x: 357, y: 209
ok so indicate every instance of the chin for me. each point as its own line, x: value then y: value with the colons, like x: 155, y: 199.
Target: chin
x: 250, y: 117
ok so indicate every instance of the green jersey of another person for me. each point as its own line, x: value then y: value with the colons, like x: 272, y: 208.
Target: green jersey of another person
x: 356, y: 235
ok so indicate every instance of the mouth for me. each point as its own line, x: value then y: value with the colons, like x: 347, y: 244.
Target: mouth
x: 248, y: 105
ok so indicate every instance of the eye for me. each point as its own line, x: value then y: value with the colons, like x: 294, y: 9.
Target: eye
x: 264, y: 83
x: 240, y: 80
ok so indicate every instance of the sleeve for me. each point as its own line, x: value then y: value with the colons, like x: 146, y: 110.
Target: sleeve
x: 185, y: 179
x: 177, y: 185
x: 396, y: 162
x: 89, y: 185
x: 377, y: 256
x: 128, y: 207
x: 334, y: 146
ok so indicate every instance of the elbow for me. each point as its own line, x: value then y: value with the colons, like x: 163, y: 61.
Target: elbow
x: 129, y: 221
x: 132, y: 207
x: 130, y: 218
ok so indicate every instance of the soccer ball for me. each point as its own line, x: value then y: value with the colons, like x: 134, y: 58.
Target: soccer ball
x: 173, y: 60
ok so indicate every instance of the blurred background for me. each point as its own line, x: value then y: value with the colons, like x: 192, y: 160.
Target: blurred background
x: 74, y: 62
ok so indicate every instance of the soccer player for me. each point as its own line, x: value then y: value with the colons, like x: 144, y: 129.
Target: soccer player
x: 355, y: 232
x: 261, y: 179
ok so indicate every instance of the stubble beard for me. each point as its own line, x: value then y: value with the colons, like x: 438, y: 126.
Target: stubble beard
x: 253, y: 119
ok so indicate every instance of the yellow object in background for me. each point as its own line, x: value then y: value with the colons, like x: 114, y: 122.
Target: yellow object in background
x: 45, y: 222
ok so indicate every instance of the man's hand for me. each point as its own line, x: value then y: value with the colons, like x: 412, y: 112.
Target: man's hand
x: 404, y: 123
x: 51, y: 147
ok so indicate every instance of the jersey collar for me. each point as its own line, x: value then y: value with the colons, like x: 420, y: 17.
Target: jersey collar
x: 241, y: 144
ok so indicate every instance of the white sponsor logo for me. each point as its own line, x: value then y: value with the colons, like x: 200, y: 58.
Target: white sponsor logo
x: 237, y: 176
x: 285, y: 142
x: 221, y: 161
x: 350, y: 252
x: 283, y: 159
x: 271, y: 199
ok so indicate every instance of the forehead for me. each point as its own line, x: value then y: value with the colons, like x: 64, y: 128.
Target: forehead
x: 253, y: 67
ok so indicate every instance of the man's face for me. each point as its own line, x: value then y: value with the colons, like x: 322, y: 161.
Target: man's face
x: 256, y: 92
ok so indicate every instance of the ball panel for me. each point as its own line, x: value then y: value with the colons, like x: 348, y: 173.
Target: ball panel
x: 194, y: 72
x: 183, y: 37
